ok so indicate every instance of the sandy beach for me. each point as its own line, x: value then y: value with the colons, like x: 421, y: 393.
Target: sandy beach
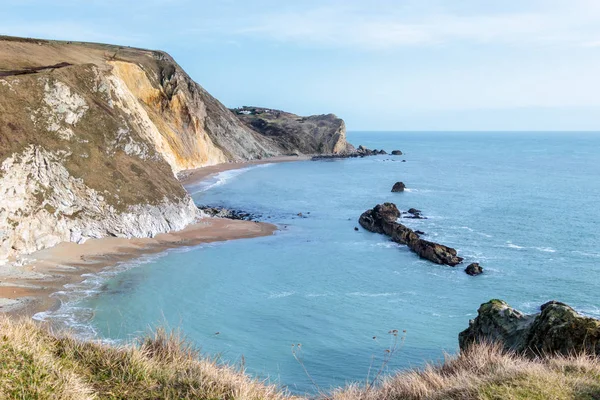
x: 193, y: 176
x: 26, y: 287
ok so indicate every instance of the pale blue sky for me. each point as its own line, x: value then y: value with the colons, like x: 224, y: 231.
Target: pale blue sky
x: 380, y: 65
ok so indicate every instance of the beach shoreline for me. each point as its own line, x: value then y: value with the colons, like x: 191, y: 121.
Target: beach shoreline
x: 26, y: 287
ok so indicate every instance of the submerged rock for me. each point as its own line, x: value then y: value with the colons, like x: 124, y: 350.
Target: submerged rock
x: 398, y: 187
x: 414, y: 214
x: 557, y: 329
x: 474, y: 269
x: 383, y: 219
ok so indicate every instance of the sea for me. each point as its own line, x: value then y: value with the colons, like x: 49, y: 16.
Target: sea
x: 320, y: 304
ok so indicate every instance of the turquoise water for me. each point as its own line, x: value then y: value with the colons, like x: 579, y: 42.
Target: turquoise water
x: 524, y: 205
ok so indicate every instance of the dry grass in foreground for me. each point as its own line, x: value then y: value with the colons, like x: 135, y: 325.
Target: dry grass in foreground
x: 36, y: 364
x: 485, y: 372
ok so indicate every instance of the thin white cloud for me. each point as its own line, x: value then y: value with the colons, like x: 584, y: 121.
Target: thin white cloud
x: 386, y: 25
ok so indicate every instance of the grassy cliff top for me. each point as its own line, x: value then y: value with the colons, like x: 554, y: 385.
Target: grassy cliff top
x: 37, y: 364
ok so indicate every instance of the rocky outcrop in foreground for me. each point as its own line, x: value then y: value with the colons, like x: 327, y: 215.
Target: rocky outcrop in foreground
x: 383, y: 219
x: 557, y: 329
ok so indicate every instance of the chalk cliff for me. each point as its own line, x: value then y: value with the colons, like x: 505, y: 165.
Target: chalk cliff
x: 92, y: 137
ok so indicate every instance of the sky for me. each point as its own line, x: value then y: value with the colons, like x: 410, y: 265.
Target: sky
x: 378, y: 64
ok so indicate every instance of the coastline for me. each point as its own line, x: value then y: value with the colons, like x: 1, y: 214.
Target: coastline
x: 193, y: 176
x: 26, y: 289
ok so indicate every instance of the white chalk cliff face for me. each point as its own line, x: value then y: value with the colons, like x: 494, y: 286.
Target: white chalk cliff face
x: 92, y: 137
x: 81, y: 159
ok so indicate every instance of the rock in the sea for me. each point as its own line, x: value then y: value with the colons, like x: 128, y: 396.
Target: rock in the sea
x: 396, y: 153
x: 398, y: 187
x: 356, y: 228
x: 383, y: 219
x: 414, y: 214
x: 557, y: 329
x: 435, y: 252
x: 474, y: 269
x: 379, y: 216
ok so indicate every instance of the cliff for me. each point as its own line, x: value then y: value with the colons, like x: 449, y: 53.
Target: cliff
x: 316, y: 134
x: 92, y: 137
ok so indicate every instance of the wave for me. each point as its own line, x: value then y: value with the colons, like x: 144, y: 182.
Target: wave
x: 317, y: 295
x: 543, y: 249
x: 387, y: 245
x: 78, y: 319
x: 583, y: 253
x: 222, y: 178
x: 364, y: 294
x: 280, y: 295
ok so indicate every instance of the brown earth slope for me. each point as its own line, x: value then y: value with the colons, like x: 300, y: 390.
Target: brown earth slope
x: 92, y: 137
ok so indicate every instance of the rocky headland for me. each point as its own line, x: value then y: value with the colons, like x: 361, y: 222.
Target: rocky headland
x: 383, y: 219
x: 295, y: 135
x: 92, y: 138
x: 556, y: 329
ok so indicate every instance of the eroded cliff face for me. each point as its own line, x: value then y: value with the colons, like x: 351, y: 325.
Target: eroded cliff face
x: 77, y: 162
x: 92, y: 137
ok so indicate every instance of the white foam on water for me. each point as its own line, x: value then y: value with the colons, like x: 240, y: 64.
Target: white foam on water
x: 511, y: 245
x: 222, y: 178
x: 586, y: 254
x: 280, y: 295
x: 363, y: 294
x: 387, y: 245
x: 317, y: 295
x: 78, y: 320
x: 546, y: 249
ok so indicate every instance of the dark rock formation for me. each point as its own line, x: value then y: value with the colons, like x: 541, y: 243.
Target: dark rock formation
x: 316, y: 134
x: 379, y: 216
x: 221, y: 212
x: 438, y: 253
x: 361, y: 151
x: 383, y: 219
x: 398, y: 187
x: 557, y: 329
x: 474, y: 269
x: 414, y: 214
x: 396, y: 153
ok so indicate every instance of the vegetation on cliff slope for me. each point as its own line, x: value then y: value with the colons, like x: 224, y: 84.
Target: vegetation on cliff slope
x: 37, y: 364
